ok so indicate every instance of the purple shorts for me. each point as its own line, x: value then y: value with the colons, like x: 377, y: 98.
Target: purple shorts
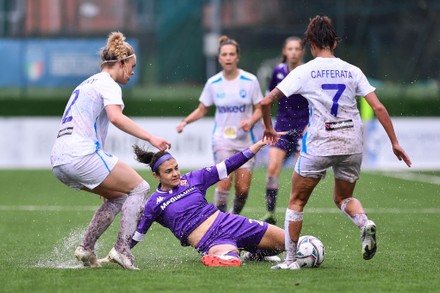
x: 233, y: 229
x: 289, y: 143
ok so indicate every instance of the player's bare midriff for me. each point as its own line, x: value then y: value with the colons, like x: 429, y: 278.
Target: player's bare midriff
x: 196, y: 235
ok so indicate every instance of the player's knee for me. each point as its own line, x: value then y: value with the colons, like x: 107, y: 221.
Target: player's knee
x: 141, y: 190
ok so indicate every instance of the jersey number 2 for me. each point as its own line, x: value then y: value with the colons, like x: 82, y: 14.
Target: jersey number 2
x: 339, y: 90
x: 69, y: 118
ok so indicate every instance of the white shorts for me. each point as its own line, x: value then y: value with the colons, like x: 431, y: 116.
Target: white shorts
x: 222, y: 154
x: 345, y: 167
x: 87, y: 171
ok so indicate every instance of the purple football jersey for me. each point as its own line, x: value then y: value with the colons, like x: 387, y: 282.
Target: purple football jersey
x: 185, y: 207
x: 293, y: 111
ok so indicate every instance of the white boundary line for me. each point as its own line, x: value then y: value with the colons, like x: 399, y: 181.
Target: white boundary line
x: 410, y: 176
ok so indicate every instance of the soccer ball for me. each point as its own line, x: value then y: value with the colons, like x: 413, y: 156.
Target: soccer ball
x: 310, y: 252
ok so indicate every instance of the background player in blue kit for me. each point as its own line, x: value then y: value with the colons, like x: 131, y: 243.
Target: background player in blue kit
x: 292, y: 117
x: 236, y: 94
x: 179, y: 204
x: 334, y: 136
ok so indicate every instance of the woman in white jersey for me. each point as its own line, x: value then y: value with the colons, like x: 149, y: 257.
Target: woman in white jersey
x: 236, y: 94
x: 334, y: 135
x: 79, y: 161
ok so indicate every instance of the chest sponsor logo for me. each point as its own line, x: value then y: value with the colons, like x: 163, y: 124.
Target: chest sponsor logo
x: 231, y: 109
x: 176, y: 197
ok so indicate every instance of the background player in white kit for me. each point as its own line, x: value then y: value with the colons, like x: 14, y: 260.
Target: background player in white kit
x: 79, y: 161
x: 335, y: 133
x: 236, y: 95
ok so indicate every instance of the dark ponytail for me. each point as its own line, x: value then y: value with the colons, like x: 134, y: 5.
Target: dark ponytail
x: 147, y: 158
x: 321, y: 33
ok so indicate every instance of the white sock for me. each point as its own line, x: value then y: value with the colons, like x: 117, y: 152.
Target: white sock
x: 290, y: 246
x: 130, y: 214
x: 360, y: 220
x: 101, y: 220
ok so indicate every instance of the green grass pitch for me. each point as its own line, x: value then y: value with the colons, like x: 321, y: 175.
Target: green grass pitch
x: 42, y: 221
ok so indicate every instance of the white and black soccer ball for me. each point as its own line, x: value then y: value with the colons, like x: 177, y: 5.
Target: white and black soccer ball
x: 310, y: 252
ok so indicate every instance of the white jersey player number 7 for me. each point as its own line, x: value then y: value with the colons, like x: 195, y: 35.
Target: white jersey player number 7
x: 330, y: 85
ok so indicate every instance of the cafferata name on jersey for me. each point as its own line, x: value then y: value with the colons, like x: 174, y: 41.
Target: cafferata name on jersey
x: 176, y: 197
x: 331, y: 73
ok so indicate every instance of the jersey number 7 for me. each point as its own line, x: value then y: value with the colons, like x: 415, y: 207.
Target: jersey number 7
x: 339, y: 90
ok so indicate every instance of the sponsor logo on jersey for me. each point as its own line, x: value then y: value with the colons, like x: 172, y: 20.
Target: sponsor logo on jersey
x: 339, y: 125
x: 231, y: 109
x: 176, y: 198
x: 331, y: 73
x: 65, y: 131
x: 220, y: 95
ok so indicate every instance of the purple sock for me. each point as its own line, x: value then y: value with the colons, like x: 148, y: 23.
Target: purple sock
x: 271, y: 199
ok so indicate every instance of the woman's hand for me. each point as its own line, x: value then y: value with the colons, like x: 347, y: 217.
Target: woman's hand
x: 160, y: 143
x: 180, y: 126
x: 271, y: 135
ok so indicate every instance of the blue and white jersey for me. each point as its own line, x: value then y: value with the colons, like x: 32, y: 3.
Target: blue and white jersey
x: 234, y: 101
x: 330, y: 85
x: 84, y: 125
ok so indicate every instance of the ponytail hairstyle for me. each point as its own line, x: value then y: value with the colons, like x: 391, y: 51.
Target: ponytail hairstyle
x: 287, y: 40
x: 117, y: 49
x: 150, y: 158
x: 321, y: 33
x: 225, y: 40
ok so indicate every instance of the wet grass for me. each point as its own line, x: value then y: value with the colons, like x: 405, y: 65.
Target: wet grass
x: 42, y: 221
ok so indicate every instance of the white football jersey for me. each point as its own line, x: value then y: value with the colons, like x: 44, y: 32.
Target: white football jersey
x: 330, y: 85
x: 84, y: 124
x: 234, y: 101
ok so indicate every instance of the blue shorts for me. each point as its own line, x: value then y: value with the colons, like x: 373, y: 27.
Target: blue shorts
x: 289, y: 143
x: 233, y: 229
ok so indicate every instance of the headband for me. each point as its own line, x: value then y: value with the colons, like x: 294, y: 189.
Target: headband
x: 162, y: 159
x: 116, y: 60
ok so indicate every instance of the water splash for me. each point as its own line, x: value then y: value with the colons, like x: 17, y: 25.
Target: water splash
x: 61, y: 256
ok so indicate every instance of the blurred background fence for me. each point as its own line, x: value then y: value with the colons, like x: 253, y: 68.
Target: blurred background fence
x: 396, y: 43
x: 49, y: 46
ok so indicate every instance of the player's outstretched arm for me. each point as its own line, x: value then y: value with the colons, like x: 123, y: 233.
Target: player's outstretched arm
x: 124, y: 123
x: 384, y: 118
x: 195, y: 115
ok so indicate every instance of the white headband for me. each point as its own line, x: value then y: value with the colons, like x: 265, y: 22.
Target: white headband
x: 112, y: 61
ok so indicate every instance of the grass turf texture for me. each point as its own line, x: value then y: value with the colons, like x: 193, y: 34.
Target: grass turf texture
x: 42, y: 221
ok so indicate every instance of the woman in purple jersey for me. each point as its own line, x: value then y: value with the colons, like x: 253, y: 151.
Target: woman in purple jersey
x: 334, y: 135
x: 179, y: 204
x: 292, y: 117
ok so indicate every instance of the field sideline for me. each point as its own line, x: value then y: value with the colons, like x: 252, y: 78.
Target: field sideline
x: 42, y: 221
